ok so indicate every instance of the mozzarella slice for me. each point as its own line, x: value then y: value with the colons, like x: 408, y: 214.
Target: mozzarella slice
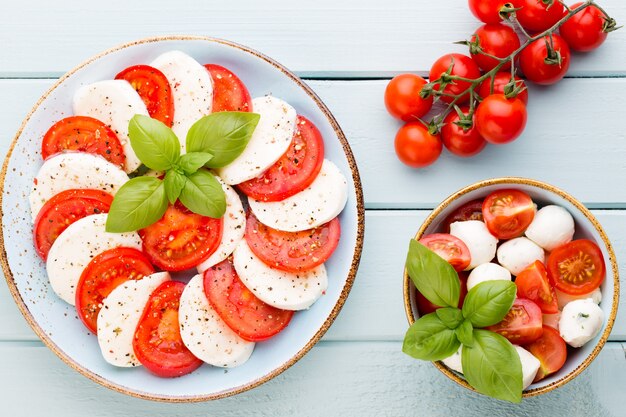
x: 476, y: 236
x: 192, y: 90
x: 563, y: 299
x: 487, y: 272
x: 551, y: 227
x: 530, y: 366
x: 269, y: 142
x: 205, y: 334
x: 581, y: 321
x: 74, y: 170
x: 120, y: 315
x: 114, y: 103
x: 233, y: 230
x: 516, y: 254
x: 76, y: 247
x: 321, y: 202
x: 454, y: 362
x: 285, y: 290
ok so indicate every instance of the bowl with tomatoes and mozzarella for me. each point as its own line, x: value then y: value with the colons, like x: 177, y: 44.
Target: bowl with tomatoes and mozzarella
x: 557, y: 254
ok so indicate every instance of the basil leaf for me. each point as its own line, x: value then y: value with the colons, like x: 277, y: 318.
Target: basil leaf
x: 450, y: 316
x: 488, y: 302
x: 430, y: 339
x: 433, y: 276
x: 137, y: 204
x: 193, y: 161
x: 204, y: 195
x: 223, y: 134
x: 174, y: 183
x: 465, y: 333
x: 154, y: 143
x: 493, y: 367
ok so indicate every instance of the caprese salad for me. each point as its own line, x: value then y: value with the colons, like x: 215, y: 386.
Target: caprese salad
x: 165, y: 169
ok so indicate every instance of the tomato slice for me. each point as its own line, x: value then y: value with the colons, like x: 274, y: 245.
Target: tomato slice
x: 472, y: 210
x: 533, y: 284
x: 102, y: 275
x: 522, y: 324
x: 551, y: 351
x: 154, y: 89
x: 294, y: 171
x: 508, y: 213
x: 450, y: 248
x: 83, y: 134
x: 292, y: 251
x: 157, y: 342
x: 426, y: 307
x: 229, y: 92
x: 64, y: 209
x: 181, y: 239
x: 577, y: 267
x: 241, y: 310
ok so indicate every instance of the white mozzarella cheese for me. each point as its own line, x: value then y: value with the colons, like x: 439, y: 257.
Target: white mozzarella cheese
x: 192, y: 90
x: 205, y: 334
x: 285, y: 290
x: 74, y: 170
x: 114, y: 103
x: 530, y: 365
x: 321, y: 202
x: 487, y: 272
x: 552, y: 320
x: 517, y: 254
x: 76, y: 247
x: 581, y: 321
x: 269, y: 142
x: 552, y: 227
x: 454, y: 362
x: 119, y: 316
x: 476, y: 236
x: 563, y: 299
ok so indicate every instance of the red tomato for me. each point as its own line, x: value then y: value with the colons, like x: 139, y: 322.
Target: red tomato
x: 294, y: 171
x: 84, y: 134
x: 416, y: 146
x: 402, y: 97
x: 241, y: 310
x: 508, y: 213
x: 292, y: 251
x: 501, y: 79
x: 495, y: 39
x: 229, y: 92
x: 585, y: 30
x: 472, y: 210
x: 532, y: 61
x: 64, y: 209
x: 499, y: 119
x: 181, y: 239
x: 577, y: 267
x: 522, y: 324
x: 426, y: 307
x: 462, y: 66
x: 487, y: 11
x: 463, y: 142
x: 157, y: 342
x: 533, y: 284
x: 450, y: 248
x: 538, y: 15
x: 154, y: 89
x: 551, y: 351
x: 102, y: 275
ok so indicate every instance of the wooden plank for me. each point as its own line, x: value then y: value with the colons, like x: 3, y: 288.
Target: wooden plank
x: 324, y: 38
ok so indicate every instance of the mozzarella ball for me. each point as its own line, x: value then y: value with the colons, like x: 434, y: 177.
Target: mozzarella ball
x: 581, y: 321
x: 481, y: 244
x: 563, y: 299
x: 552, y: 320
x: 454, y: 362
x: 530, y: 365
x: 487, y: 272
x: 552, y: 227
x: 516, y: 254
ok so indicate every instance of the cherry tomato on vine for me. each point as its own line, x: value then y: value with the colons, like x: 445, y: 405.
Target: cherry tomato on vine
x: 402, y: 97
x: 499, y: 119
x: 487, y: 11
x: 462, y: 66
x: 494, y: 39
x: 416, y: 146
x: 501, y: 79
x: 535, y: 64
x: 585, y: 30
x: 461, y: 141
x: 538, y: 15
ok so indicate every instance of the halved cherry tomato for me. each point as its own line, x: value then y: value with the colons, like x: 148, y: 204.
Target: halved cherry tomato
x: 551, y: 351
x: 508, y: 213
x: 533, y: 284
x: 426, y: 307
x: 241, y: 310
x: 460, y: 141
x: 462, y: 66
x: 181, y: 239
x: 102, y: 275
x: 83, y: 134
x: 294, y: 171
x: 522, y: 324
x: 577, y: 267
x: 538, y: 15
x: 501, y: 79
x: 64, y: 209
x: 472, y: 210
x: 532, y: 60
x: 157, y: 342
x: 499, y: 119
x: 402, y: 97
x: 415, y: 146
x: 229, y: 92
x: 154, y: 89
x: 497, y: 40
x: 450, y: 248
x: 487, y: 11
x: 585, y: 30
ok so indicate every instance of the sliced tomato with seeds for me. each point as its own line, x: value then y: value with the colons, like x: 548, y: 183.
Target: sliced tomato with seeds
x: 472, y: 210
x: 533, y: 283
x: 102, y: 275
x: 450, y: 248
x: 229, y: 92
x: 577, y: 267
x: 551, y: 351
x: 426, y: 307
x: 522, y: 324
x: 507, y: 213
x: 64, y: 209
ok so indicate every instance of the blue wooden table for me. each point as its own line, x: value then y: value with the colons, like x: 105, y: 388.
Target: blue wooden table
x: 347, y: 50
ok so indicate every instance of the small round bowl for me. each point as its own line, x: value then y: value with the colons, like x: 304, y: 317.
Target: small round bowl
x: 587, y: 226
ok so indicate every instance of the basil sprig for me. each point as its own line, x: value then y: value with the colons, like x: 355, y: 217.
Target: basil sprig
x: 213, y: 141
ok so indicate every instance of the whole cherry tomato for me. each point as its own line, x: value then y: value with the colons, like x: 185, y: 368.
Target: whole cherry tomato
x: 540, y: 68
x: 501, y: 79
x: 487, y: 11
x: 538, y: 15
x: 402, y: 97
x: 416, y: 146
x: 585, y: 30
x: 461, y: 141
x: 462, y: 66
x: 499, y: 119
x: 494, y: 39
